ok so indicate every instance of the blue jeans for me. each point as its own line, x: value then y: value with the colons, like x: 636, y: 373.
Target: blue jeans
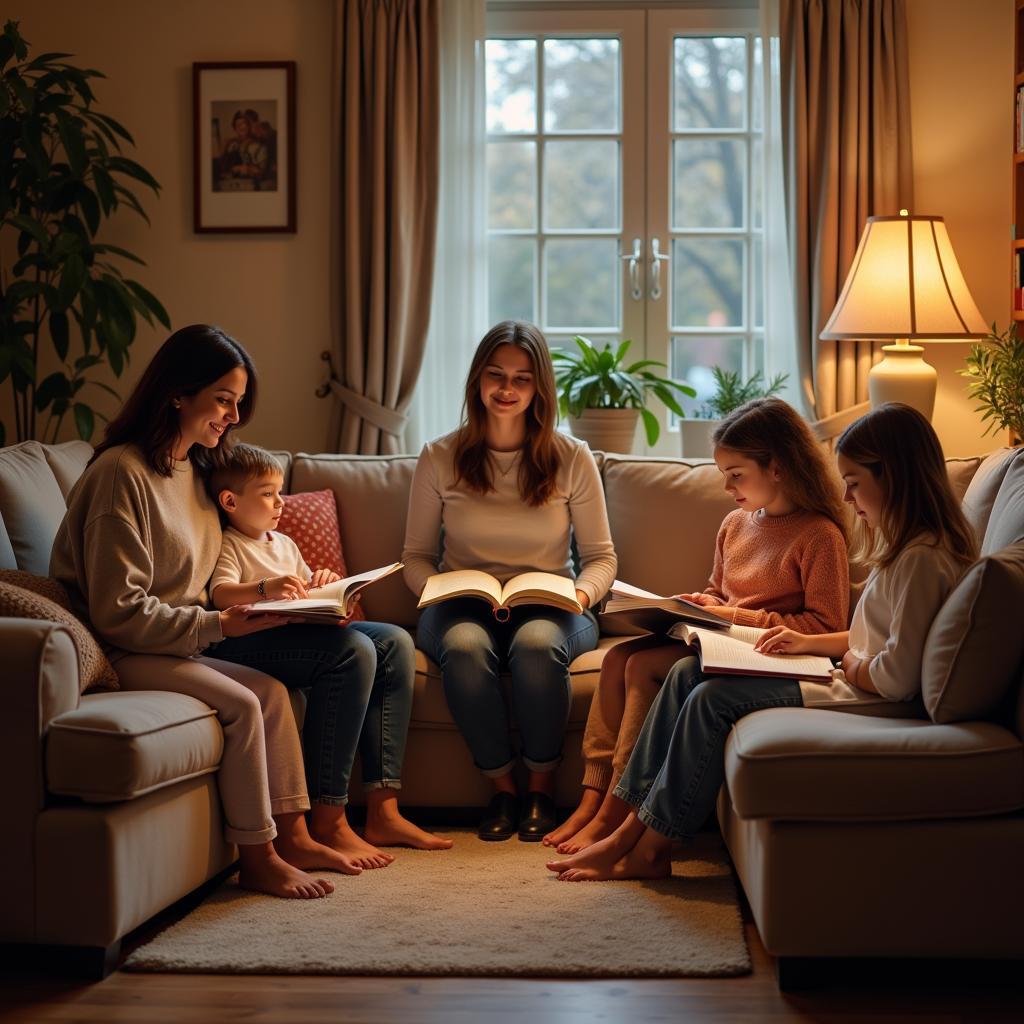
x: 537, y: 644
x: 360, y: 679
x: 678, y: 764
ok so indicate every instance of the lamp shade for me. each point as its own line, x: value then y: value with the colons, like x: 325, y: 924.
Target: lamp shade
x: 905, y: 282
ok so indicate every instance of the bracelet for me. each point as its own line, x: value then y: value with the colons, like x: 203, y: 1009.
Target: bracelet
x: 261, y: 587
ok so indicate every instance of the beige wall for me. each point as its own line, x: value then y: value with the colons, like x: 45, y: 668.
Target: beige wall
x: 269, y: 291
x: 961, y: 84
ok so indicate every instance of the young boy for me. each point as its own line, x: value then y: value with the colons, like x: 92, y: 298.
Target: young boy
x: 256, y: 563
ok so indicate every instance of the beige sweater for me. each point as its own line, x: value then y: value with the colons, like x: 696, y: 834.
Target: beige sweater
x: 136, y: 550
x: 498, y: 532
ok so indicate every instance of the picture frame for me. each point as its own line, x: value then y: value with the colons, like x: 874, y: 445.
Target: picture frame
x: 244, y: 156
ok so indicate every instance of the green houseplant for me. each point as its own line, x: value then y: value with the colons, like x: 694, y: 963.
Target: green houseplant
x: 62, y: 174
x: 603, y: 397
x: 995, y: 369
x: 731, y: 391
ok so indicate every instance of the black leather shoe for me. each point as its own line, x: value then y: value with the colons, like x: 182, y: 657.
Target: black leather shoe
x: 538, y: 817
x: 499, y: 820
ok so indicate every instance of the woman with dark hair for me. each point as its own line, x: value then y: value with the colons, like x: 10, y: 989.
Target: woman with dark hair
x: 136, y: 549
x: 510, y: 493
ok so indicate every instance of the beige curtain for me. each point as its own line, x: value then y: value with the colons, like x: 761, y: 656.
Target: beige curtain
x: 385, y: 182
x: 845, y: 98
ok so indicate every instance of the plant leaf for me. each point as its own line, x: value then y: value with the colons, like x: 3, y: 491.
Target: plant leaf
x: 651, y: 426
x: 84, y: 420
x: 59, y: 332
x: 151, y: 302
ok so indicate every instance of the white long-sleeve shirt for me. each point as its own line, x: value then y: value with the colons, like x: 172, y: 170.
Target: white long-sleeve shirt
x: 890, y: 625
x: 498, y: 532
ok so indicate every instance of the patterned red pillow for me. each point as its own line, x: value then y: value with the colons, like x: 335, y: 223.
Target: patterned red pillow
x: 311, y: 520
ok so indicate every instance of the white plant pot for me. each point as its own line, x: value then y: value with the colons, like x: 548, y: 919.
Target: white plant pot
x: 696, y: 437
x: 606, y: 430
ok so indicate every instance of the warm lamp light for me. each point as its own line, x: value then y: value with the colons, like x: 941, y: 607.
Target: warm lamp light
x: 905, y: 284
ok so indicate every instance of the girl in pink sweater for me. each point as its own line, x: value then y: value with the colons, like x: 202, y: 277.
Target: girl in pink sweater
x: 780, y: 560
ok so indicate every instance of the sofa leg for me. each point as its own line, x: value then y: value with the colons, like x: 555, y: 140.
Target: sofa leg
x: 93, y: 963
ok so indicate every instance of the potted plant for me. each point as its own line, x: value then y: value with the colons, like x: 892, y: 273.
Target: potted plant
x: 730, y: 393
x: 995, y: 369
x: 603, y: 398
x: 61, y: 175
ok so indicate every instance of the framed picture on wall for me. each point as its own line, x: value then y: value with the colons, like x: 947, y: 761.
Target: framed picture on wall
x: 243, y: 116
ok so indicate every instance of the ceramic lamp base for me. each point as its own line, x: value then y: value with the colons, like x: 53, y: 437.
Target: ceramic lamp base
x: 904, y: 376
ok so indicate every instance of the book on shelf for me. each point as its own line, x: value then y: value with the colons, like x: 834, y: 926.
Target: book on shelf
x: 731, y: 652
x: 631, y: 611
x: 526, y: 588
x: 331, y: 602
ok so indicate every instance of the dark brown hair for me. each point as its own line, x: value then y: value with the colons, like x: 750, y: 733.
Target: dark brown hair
x: 899, y: 447
x: 243, y: 463
x: 539, y: 464
x: 191, y: 359
x: 769, y: 430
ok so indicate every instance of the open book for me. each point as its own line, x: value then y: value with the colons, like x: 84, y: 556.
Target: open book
x: 330, y: 603
x: 526, y: 588
x: 631, y: 610
x: 731, y: 652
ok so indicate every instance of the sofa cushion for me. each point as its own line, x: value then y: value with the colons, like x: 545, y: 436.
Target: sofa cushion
x: 37, y: 602
x: 67, y: 462
x: 31, y: 504
x: 1006, y: 524
x: 981, y: 492
x: 807, y: 765
x: 961, y: 472
x: 971, y: 658
x: 311, y: 520
x: 117, y: 746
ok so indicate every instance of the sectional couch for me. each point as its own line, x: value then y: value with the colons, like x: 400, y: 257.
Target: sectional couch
x: 852, y: 834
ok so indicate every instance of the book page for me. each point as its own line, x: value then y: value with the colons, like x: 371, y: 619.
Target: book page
x: 539, y: 584
x: 334, y: 598
x: 461, y: 583
x: 721, y: 652
x: 622, y: 589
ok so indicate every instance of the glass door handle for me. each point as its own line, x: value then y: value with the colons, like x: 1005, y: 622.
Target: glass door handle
x: 636, y: 293
x: 656, y: 259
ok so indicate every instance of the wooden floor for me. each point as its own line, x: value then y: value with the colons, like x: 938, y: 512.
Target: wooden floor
x: 922, y: 994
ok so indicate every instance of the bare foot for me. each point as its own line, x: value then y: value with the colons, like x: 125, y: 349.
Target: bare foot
x: 643, y: 861
x: 399, y: 831
x: 304, y: 851
x: 611, y: 815
x: 262, y: 870
x: 338, y: 835
x: 590, y: 802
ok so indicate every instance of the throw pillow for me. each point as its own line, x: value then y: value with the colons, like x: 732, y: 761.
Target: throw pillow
x: 311, y: 520
x: 94, y: 670
x: 44, y: 586
x: 971, y: 657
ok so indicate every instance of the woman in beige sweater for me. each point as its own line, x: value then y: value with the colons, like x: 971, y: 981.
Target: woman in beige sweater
x: 136, y: 548
x: 510, y: 493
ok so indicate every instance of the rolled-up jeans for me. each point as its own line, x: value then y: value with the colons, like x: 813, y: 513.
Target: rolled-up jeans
x: 537, y: 644
x: 678, y: 764
x: 360, y: 677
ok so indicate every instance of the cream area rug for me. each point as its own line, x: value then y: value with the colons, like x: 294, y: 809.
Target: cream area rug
x: 477, y: 909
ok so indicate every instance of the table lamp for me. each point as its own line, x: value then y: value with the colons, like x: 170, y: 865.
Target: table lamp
x: 905, y: 284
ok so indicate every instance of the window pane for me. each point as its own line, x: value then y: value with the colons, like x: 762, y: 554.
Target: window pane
x: 581, y: 182
x: 581, y: 85
x: 511, y: 85
x: 710, y: 82
x: 757, y: 279
x: 709, y: 181
x: 692, y: 359
x: 707, y: 282
x: 510, y: 278
x: 757, y: 354
x: 511, y: 185
x: 582, y: 283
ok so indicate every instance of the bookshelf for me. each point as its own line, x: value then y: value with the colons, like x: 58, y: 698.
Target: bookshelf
x: 1017, y: 234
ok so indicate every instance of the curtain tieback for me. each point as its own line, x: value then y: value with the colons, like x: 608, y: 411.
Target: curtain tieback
x: 388, y: 420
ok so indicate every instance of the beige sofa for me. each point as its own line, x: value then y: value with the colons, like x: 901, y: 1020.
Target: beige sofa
x: 852, y: 835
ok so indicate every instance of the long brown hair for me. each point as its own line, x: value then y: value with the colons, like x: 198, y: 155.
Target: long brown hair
x: 539, y: 464
x: 900, y: 449
x: 769, y: 430
x: 191, y: 359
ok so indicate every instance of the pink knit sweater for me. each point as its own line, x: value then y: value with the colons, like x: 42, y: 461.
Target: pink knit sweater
x: 781, y: 571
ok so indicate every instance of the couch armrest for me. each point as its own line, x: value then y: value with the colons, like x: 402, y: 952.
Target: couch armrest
x: 40, y: 682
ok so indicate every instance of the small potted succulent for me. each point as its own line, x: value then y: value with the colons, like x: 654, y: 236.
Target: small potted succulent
x: 995, y: 369
x: 603, y: 398
x: 730, y: 393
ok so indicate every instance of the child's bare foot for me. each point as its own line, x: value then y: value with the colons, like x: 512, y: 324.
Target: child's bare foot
x: 611, y: 815
x: 645, y: 860
x: 402, y: 832
x: 590, y: 802
x: 304, y: 851
x: 339, y: 836
x: 262, y: 870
